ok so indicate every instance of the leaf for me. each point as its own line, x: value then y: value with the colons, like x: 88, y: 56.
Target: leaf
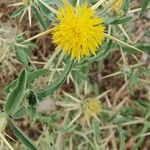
x: 144, y: 47
x: 144, y: 6
x: 32, y: 112
x: 45, y: 10
x: 39, y: 18
x: 109, y: 20
x: 49, y: 90
x: 18, y: 12
x: 79, y: 76
x: 20, y: 113
x: 21, y: 136
x: 126, y: 6
x: 32, y: 108
x: 31, y: 76
x: 103, y: 53
x: 56, y: 2
x: 33, y: 100
x: 96, y: 128
x: 121, y: 20
x: 22, y: 56
x: 15, y: 97
x: 122, y: 136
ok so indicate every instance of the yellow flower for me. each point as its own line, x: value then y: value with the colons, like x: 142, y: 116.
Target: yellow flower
x: 92, y: 108
x: 117, y: 6
x: 79, y: 31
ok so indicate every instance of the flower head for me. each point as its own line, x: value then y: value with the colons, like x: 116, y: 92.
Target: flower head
x: 92, y: 108
x: 79, y: 31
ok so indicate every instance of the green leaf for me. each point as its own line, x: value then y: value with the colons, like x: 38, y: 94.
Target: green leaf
x: 32, y: 112
x: 39, y: 18
x: 101, y: 55
x: 32, y: 108
x: 36, y: 74
x: 122, y: 136
x: 31, y: 76
x: 33, y: 100
x: 144, y: 6
x: 96, y: 129
x: 45, y: 10
x: 22, y: 56
x: 144, y: 47
x: 18, y: 12
x: 79, y: 76
x: 15, y: 97
x: 121, y: 20
x: 20, y: 113
x: 126, y: 6
x: 109, y: 20
x: 56, y: 2
x: 21, y: 136
x: 49, y: 90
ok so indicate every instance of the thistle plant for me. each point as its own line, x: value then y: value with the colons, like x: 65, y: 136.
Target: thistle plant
x: 92, y: 113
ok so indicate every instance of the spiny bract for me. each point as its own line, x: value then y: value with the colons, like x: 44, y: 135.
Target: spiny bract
x: 79, y: 31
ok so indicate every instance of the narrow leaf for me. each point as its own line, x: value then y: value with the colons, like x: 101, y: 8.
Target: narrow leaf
x: 32, y: 112
x: 22, y: 56
x: 21, y: 136
x: 39, y: 18
x: 101, y: 55
x: 96, y: 129
x: 45, y: 10
x: 20, y: 113
x: 144, y: 6
x: 49, y: 90
x: 18, y: 12
x: 121, y: 20
x: 31, y: 76
x: 15, y: 97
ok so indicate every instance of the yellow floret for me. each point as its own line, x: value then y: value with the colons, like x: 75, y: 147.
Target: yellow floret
x: 79, y: 31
